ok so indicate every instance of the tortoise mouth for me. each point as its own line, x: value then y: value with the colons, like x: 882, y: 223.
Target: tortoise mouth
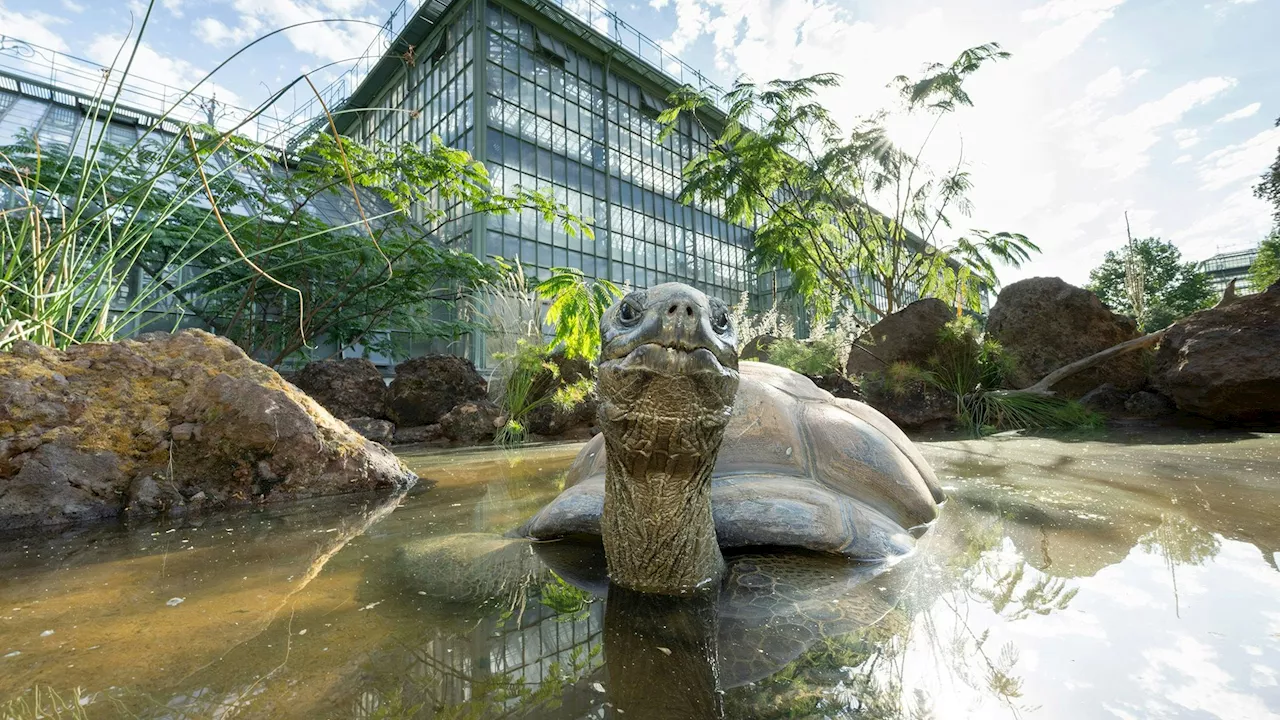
x: 667, y: 360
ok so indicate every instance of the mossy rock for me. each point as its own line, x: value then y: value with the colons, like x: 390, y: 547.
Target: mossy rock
x: 166, y: 422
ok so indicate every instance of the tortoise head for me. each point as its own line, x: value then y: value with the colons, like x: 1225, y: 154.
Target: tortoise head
x: 669, y: 352
x: 667, y: 381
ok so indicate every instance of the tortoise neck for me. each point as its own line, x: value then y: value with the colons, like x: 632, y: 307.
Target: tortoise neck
x: 659, y: 534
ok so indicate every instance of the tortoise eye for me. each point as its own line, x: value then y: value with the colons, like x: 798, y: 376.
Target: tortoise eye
x: 720, y: 321
x: 628, y: 314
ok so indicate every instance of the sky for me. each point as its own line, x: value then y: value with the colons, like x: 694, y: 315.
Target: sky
x: 1165, y: 109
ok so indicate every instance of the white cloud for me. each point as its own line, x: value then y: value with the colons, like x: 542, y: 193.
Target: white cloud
x: 152, y: 65
x: 73, y: 6
x: 1182, y: 160
x: 1241, y: 161
x: 1121, y: 143
x: 329, y: 41
x: 35, y: 27
x: 1242, y: 113
x: 1188, y: 675
x: 1186, y: 137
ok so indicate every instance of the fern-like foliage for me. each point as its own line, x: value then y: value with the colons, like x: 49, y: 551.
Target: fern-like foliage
x: 577, y: 304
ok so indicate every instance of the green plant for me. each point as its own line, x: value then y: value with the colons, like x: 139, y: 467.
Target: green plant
x: 807, y: 357
x: 986, y: 412
x: 1265, y: 270
x: 1151, y: 272
x: 527, y: 380
x: 811, y: 191
x: 577, y: 304
x: 228, y: 233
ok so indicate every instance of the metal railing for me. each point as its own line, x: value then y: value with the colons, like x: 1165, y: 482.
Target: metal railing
x: 64, y: 78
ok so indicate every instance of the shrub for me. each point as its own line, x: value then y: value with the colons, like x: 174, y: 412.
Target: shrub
x: 807, y: 357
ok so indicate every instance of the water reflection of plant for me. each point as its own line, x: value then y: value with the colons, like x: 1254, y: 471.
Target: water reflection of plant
x: 1180, y: 541
x: 569, y: 603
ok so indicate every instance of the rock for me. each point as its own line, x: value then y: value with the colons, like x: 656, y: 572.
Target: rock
x: 758, y: 348
x: 838, y: 385
x: 910, y: 404
x: 910, y: 335
x: 1224, y: 362
x: 425, y: 388
x: 379, y: 431
x: 1147, y: 404
x: 1106, y: 398
x: 550, y: 420
x: 1044, y: 323
x: 418, y: 434
x: 472, y: 422
x: 142, y: 424
x: 346, y: 387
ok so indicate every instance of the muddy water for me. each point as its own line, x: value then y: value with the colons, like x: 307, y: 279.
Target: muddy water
x: 1118, y: 576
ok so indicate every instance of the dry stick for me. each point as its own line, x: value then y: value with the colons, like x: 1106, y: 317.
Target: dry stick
x: 1042, y: 387
x: 208, y: 191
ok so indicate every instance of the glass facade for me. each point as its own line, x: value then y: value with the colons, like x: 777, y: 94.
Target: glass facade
x: 556, y: 115
x: 1225, y: 267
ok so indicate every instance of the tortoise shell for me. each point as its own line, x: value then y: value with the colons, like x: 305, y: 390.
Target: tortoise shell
x: 798, y: 468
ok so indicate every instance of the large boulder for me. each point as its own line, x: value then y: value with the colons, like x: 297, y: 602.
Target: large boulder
x: 911, y: 403
x: 346, y: 387
x: 425, y: 388
x: 910, y: 335
x: 1224, y: 362
x: 1044, y: 323
x: 472, y: 422
x: 163, y: 423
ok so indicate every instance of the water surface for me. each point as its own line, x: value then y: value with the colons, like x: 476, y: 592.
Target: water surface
x: 1120, y: 576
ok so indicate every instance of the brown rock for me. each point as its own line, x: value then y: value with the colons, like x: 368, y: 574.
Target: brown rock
x: 911, y: 405
x: 758, y: 348
x: 425, y: 388
x: 346, y: 387
x: 838, y: 385
x: 1224, y: 362
x: 419, y: 434
x: 1147, y: 404
x: 1044, y: 323
x: 910, y: 335
x: 379, y: 431
x: 472, y: 422
x: 1106, y: 398
x: 145, y: 423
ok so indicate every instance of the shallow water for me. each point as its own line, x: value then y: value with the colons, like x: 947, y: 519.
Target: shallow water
x: 1122, y: 576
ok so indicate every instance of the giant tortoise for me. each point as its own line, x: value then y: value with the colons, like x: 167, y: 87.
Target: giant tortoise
x: 699, y: 452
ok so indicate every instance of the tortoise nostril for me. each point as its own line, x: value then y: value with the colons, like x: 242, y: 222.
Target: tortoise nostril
x: 671, y: 310
x: 688, y: 310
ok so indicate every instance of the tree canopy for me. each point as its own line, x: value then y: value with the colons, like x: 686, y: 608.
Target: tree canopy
x: 783, y: 164
x: 339, y: 245
x: 1268, y: 188
x: 1170, y: 288
x: 1265, y: 270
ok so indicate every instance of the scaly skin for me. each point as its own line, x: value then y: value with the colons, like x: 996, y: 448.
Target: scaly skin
x: 668, y: 377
